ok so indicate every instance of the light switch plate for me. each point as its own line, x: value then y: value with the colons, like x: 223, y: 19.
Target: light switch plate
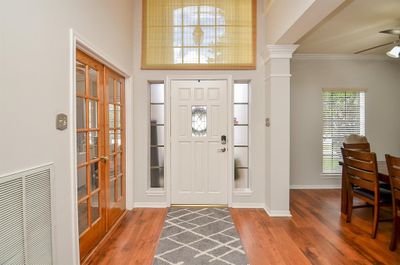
x: 61, y: 121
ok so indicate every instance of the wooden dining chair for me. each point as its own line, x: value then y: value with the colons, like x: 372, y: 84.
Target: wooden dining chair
x: 362, y: 179
x: 393, y: 164
x: 364, y: 147
x: 354, y: 142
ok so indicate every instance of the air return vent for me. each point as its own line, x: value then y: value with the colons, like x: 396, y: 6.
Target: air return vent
x: 25, y: 217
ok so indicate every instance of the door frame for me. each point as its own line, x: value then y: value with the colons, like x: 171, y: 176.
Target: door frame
x: 167, y: 102
x: 76, y: 41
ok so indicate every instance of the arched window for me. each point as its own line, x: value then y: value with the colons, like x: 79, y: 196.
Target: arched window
x: 197, y: 34
x: 201, y: 34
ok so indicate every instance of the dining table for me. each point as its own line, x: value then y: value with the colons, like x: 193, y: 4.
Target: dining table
x: 383, y: 174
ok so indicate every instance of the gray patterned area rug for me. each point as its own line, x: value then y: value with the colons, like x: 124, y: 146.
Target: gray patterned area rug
x: 199, y: 236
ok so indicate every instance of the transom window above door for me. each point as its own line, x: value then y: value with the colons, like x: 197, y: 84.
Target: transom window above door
x: 199, y: 34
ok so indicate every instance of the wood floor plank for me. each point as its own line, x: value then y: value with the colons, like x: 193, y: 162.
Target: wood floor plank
x: 316, y: 234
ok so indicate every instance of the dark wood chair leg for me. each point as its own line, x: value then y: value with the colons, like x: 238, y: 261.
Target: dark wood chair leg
x: 349, y: 205
x: 376, y: 221
x: 395, y: 231
x: 344, y: 192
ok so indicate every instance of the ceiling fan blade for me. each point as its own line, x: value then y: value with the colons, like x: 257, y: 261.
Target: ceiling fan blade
x: 375, y: 47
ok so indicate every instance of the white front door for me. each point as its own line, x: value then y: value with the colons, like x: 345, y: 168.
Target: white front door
x: 199, y: 156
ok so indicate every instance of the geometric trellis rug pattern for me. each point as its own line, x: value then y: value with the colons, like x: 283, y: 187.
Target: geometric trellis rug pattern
x: 199, y: 236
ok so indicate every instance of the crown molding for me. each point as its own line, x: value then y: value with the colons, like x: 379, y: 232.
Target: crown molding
x: 340, y: 57
x: 276, y: 51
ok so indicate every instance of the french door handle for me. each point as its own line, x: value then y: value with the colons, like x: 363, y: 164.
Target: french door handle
x: 104, y: 158
x: 223, y: 149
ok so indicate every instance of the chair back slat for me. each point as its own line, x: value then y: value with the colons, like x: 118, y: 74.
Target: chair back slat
x: 362, y: 183
x: 393, y: 164
x: 395, y: 171
x: 396, y: 194
x: 365, y: 147
x: 364, y: 175
x: 360, y: 155
x: 396, y: 183
x: 360, y: 164
x: 361, y: 168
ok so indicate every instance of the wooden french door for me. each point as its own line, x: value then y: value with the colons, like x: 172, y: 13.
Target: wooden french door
x: 115, y: 147
x: 100, y: 123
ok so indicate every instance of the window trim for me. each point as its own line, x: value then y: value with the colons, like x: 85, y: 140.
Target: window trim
x: 251, y: 66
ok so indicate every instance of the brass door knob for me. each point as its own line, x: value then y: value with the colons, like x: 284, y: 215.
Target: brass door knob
x: 104, y: 158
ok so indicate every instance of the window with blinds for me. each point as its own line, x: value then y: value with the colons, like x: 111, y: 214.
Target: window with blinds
x: 199, y: 34
x: 343, y: 114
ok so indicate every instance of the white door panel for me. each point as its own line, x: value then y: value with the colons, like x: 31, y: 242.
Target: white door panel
x: 199, y: 169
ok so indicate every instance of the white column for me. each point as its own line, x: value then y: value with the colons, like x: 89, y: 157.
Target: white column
x: 277, y: 79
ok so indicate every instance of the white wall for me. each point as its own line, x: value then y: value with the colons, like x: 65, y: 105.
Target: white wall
x: 381, y: 78
x: 141, y: 117
x: 34, y: 74
x: 287, y: 20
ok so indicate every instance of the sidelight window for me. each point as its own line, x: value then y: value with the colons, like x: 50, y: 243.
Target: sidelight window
x: 241, y: 135
x: 157, y: 128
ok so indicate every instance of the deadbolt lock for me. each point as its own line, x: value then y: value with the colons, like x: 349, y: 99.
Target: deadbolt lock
x: 223, y: 139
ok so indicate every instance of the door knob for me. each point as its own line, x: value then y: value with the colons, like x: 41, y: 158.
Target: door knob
x: 223, y: 149
x: 104, y: 158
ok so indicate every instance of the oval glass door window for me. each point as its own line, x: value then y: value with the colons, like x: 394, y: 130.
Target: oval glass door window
x: 199, y: 120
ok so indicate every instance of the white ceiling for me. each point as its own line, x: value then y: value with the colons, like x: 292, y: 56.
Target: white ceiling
x: 354, y: 26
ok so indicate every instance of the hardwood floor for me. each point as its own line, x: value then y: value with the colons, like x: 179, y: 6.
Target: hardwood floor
x: 134, y: 241
x: 316, y: 234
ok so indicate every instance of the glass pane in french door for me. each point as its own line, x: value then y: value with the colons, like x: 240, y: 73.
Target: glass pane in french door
x: 83, y: 220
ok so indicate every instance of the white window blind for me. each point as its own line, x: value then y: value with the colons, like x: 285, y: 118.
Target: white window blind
x: 343, y: 114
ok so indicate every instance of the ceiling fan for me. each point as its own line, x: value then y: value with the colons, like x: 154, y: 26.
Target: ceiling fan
x: 395, y: 52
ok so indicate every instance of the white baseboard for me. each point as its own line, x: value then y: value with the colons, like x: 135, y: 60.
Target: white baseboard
x: 277, y: 213
x: 151, y: 205
x: 248, y: 205
x: 315, y: 187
